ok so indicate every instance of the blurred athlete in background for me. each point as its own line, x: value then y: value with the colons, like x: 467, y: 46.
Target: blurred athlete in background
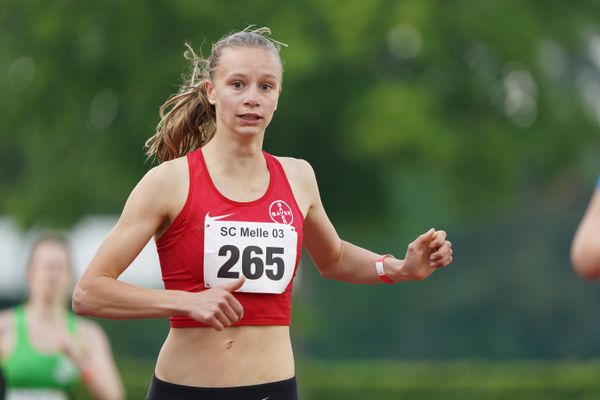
x: 45, y: 349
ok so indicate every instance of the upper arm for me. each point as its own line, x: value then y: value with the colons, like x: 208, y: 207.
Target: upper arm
x: 585, y: 249
x: 152, y: 204
x: 320, y: 238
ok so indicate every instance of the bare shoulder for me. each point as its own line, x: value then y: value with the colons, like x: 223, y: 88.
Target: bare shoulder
x: 164, y: 187
x: 168, y: 173
x: 298, y: 170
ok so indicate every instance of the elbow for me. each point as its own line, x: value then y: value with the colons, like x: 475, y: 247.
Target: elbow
x: 326, y: 273
x: 82, y: 302
x: 329, y: 270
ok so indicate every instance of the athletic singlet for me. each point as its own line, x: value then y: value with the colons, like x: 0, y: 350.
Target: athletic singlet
x: 27, y: 368
x: 214, y: 239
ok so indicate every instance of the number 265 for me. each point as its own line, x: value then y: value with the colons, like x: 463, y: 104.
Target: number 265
x: 253, y: 266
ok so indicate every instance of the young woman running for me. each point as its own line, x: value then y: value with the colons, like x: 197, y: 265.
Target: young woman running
x: 585, y: 249
x: 45, y: 350
x: 229, y: 221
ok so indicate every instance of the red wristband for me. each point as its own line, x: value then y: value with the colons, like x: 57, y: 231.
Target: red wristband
x: 381, y: 271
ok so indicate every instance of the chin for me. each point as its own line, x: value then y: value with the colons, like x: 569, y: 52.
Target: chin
x: 250, y: 131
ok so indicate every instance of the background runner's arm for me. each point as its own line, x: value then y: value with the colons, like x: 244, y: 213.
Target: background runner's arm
x: 585, y: 250
x: 94, y: 359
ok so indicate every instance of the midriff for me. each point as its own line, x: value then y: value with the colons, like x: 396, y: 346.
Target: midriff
x: 235, y: 356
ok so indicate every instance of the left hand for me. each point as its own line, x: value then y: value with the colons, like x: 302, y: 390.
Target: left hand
x: 424, y: 255
x: 78, y: 355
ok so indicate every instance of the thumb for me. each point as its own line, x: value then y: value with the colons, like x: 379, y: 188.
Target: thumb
x: 425, y: 236
x: 235, y: 285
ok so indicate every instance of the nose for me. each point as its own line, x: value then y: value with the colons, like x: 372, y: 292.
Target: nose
x: 251, y: 99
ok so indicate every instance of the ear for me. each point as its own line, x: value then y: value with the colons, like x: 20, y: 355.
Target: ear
x: 210, y: 92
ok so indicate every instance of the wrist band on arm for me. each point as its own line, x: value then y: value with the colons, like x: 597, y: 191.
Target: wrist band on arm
x: 381, y: 271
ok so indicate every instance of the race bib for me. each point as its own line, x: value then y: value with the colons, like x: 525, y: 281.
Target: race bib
x: 263, y: 252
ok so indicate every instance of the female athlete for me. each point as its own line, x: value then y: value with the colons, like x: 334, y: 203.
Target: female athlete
x: 229, y: 221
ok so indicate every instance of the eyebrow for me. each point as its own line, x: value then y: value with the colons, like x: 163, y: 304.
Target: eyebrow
x: 241, y: 75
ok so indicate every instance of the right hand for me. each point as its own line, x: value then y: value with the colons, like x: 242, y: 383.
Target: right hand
x: 216, y: 306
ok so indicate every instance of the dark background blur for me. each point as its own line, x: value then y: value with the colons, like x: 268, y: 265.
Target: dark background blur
x: 478, y: 117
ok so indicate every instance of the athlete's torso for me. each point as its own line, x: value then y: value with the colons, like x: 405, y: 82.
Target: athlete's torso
x: 240, y: 355
x: 214, y: 240
x: 31, y: 372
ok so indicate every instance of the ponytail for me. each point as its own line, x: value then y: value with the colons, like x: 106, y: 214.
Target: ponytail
x: 187, y: 119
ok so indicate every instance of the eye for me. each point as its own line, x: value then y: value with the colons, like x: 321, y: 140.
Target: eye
x: 237, y: 84
x: 266, y: 86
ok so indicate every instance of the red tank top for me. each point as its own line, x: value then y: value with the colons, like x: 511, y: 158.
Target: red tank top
x: 214, y: 239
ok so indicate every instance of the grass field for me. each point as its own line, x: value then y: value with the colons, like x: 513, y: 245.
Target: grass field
x: 465, y: 380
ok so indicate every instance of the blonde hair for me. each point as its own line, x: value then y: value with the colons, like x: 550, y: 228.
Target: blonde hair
x: 187, y: 119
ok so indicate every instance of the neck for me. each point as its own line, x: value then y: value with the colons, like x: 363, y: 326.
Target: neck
x: 47, y: 310
x: 238, y: 156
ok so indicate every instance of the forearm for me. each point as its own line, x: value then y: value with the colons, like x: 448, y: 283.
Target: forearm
x: 353, y: 264
x: 107, y: 297
x: 96, y: 367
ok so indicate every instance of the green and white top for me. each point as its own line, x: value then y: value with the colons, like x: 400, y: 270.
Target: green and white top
x: 31, y: 374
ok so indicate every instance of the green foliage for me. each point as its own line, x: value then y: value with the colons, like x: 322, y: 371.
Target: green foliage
x: 372, y: 86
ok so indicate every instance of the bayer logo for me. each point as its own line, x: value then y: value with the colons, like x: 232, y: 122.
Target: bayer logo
x: 281, y: 212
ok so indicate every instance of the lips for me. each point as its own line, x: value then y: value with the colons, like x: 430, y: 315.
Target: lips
x: 250, y: 117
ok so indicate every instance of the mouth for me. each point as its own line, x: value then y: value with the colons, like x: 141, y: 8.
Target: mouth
x: 250, y: 117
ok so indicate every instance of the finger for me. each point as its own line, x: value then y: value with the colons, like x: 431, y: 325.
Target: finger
x: 223, y: 318
x: 438, y: 239
x: 444, y: 250
x: 442, y: 263
x: 231, y: 315
x: 236, y: 306
x: 426, y: 236
x: 235, y: 285
x: 215, y: 323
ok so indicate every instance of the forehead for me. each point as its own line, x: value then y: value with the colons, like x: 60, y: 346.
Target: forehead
x: 50, y: 251
x: 249, y: 61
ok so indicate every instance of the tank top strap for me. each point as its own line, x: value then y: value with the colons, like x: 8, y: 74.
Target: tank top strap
x: 21, y: 336
x: 279, y: 175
